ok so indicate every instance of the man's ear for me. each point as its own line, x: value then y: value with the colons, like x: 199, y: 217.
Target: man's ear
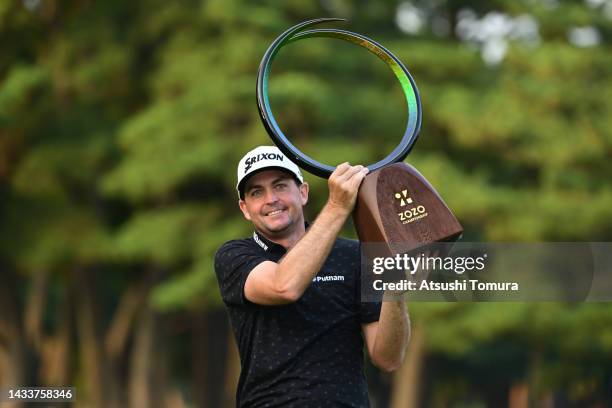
x: 304, y: 189
x: 244, y: 210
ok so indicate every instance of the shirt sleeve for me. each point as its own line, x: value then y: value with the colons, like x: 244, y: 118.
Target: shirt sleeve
x: 369, y: 311
x: 233, y: 263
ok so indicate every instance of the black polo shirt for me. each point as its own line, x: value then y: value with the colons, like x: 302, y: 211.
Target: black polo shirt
x: 304, y: 354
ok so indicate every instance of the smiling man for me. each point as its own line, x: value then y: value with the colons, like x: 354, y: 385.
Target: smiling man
x: 292, y: 292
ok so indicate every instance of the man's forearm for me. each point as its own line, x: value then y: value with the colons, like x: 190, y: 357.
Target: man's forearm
x: 300, y: 265
x: 392, y: 336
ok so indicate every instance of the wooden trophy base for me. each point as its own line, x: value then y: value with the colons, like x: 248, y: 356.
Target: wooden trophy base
x: 397, y: 205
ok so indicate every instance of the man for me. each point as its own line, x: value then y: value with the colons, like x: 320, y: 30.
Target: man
x: 293, y: 293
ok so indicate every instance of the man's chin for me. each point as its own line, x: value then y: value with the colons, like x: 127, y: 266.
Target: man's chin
x: 278, y: 228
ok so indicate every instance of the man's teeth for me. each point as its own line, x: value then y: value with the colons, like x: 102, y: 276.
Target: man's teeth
x: 275, y: 212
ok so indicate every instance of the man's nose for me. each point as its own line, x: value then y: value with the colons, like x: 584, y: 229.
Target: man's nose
x: 271, y: 196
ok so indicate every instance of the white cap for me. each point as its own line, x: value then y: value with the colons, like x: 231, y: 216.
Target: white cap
x: 265, y: 157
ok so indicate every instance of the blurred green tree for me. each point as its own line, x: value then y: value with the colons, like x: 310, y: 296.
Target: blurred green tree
x: 120, y: 128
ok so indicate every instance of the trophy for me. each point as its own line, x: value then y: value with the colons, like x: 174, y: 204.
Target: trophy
x: 396, y: 205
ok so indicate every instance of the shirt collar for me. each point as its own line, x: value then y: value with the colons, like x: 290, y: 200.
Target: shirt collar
x: 267, y: 245
x: 262, y: 241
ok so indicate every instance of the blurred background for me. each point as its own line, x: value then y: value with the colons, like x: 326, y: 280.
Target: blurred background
x: 121, y: 124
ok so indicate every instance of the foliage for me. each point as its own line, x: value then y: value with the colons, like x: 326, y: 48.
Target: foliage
x: 121, y: 125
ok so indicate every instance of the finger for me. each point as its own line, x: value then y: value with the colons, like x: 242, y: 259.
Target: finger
x: 361, y: 172
x: 358, y: 177
x: 340, y: 169
x: 355, y: 181
x: 350, y: 173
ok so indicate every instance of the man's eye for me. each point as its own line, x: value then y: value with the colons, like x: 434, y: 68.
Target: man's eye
x: 255, y: 193
x: 281, y: 186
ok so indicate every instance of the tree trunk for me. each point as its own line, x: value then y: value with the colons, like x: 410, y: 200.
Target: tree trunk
x: 10, y: 369
x: 147, y: 364
x: 519, y: 395
x: 100, y: 391
x: 214, y: 362
x: 12, y: 352
x: 131, y: 303
x: 535, y: 376
x: 407, y: 379
x: 35, y: 306
x: 198, y: 362
x: 232, y: 372
x: 55, y: 353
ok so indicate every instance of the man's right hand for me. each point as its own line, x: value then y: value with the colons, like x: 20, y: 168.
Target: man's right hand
x: 343, y: 185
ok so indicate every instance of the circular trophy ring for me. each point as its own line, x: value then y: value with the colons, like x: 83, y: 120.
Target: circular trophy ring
x: 296, y: 33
